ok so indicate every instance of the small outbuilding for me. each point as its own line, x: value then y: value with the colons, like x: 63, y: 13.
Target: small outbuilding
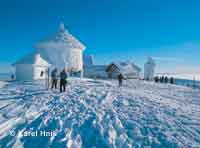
x: 31, y: 67
x: 127, y: 69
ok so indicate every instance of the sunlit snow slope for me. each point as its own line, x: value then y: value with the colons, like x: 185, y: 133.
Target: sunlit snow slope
x: 99, y: 114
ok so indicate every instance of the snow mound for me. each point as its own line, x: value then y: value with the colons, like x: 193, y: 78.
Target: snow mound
x: 99, y: 114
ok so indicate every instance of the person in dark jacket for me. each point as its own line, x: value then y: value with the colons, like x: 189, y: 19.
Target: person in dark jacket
x: 166, y: 79
x: 63, y: 81
x: 120, y: 79
x: 54, y: 78
x: 12, y: 77
x: 171, y: 80
x: 162, y: 79
x: 156, y: 79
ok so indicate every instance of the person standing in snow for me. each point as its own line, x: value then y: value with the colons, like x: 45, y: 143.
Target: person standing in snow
x: 63, y: 81
x: 166, y: 79
x: 120, y: 78
x: 156, y: 79
x: 171, y: 80
x: 12, y: 77
x: 162, y: 79
x: 54, y: 78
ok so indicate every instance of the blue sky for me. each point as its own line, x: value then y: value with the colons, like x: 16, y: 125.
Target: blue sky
x: 112, y: 30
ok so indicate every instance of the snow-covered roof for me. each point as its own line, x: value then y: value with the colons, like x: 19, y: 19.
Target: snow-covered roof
x: 32, y: 59
x: 126, y: 67
x: 62, y: 39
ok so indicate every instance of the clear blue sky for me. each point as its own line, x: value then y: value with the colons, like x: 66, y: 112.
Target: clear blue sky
x: 168, y: 30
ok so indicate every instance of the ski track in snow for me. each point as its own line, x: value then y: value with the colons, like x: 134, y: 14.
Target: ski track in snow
x: 99, y: 114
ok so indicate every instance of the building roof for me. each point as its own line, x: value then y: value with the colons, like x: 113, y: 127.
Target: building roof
x: 32, y: 59
x: 125, y: 67
x: 61, y: 39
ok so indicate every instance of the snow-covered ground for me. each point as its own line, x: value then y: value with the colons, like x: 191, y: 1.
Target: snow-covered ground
x: 99, y: 114
x: 2, y: 84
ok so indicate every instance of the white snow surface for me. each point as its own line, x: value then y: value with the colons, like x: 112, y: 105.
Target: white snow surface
x: 99, y: 114
x: 2, y: 84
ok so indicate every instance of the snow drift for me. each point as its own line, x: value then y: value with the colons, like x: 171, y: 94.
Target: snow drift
x: 99, y: 114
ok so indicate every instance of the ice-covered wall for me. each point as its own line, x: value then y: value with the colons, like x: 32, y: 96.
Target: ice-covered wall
x: 63, y: 57
x: 39, y: 73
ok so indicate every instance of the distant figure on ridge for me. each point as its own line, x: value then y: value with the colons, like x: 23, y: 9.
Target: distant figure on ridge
x: 54, y: 78
x: 166, y: 79
x: 63, y: 81
x: 120, y: 78
x: 156, y: 79
x: 12, y: 77
x: 171, y: 80
x: 162, y: 79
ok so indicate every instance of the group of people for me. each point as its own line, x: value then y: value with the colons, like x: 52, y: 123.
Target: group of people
x: 157, y: 79
x: 63, y: 79
x: 55, y: 77
x: 165, y: 79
